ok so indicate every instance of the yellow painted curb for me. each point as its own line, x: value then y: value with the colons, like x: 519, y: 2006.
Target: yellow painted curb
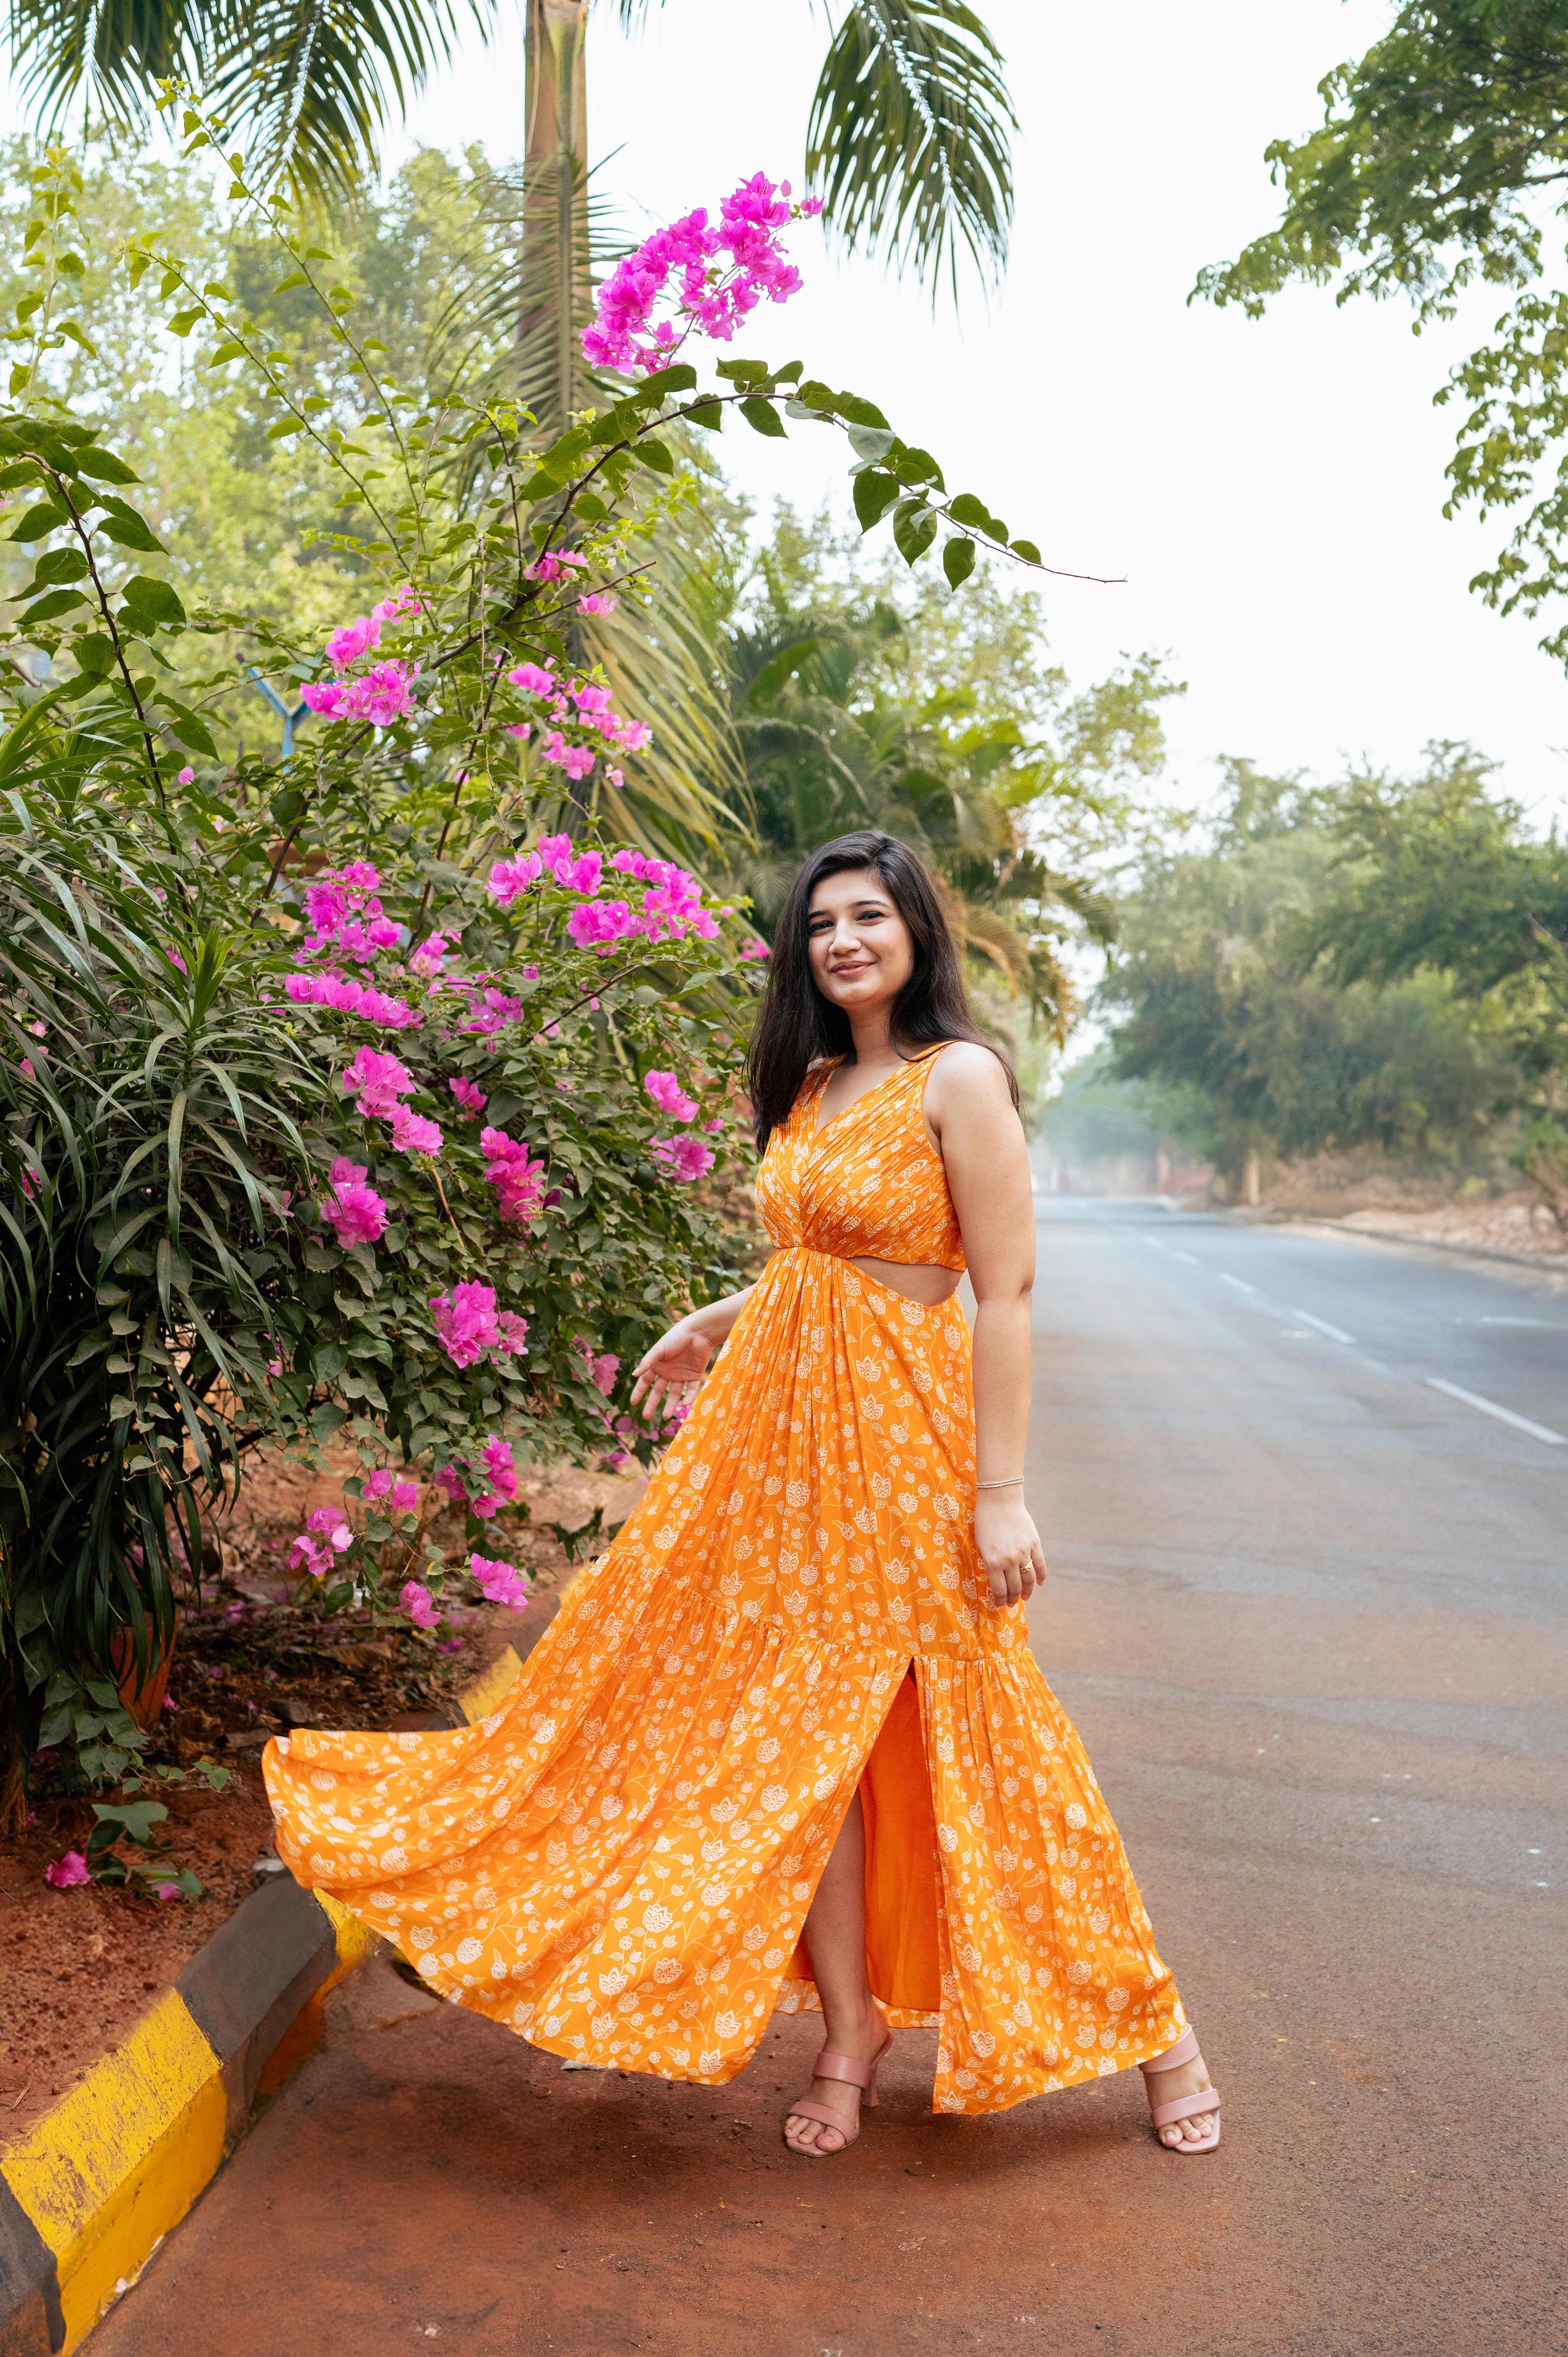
x: 484, y: 1694
x: 106, y: 2174
x: 95, y: 2186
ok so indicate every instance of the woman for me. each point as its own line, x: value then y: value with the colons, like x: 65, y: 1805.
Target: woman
x: 784, y: 1745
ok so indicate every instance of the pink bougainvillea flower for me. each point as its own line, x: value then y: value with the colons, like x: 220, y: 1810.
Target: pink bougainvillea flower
x: 553, y: 566
x: 531, y: 676
x: 450, y: 1479
x: 167, y: 1891
x: 331, y: 1523
x: 670, y: 1096
x: 419, y: 1605
x: 174, y: 958
x: 552, y: 847
x: 581, y: 874
x: 758, y: 949
x: 500, y: 1583
x: 324, y: 695
x: 377, y: 1081
x: 381, y: 694
x: 186, y: 777
x: 350, y: 641
x: 598, y: 601
x: 514, y: 1334
x: 510, y: 877
x: 465, y: 1322
x: 411, y: 1134
x: 518, y: 1181
x: 401, y: 1496
x: 599, y: 925
x: 430, y: 956
x: 470, y: 1098
x: 350, y: 998
x: 65, y: 1873
x: 634, y: 736
x: 357, y: 1212
x: 683, y: 1159
x: 602, y: 1368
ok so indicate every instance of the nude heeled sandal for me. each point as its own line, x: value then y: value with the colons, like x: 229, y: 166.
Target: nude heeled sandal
x: 1165, y: 2116
x: 856, y: 2075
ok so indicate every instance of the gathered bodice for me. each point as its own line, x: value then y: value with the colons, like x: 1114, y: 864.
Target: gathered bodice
x: 870, y: 1185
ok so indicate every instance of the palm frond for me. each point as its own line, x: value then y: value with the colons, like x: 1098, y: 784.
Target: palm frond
x: 908, y: 143
x: 308, y: 89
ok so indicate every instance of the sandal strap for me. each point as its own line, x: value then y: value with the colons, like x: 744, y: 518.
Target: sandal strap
x: 844, y: 2066
x: 829, y: 2118
x: 1186, y: 2107
x: 1184, y: 2050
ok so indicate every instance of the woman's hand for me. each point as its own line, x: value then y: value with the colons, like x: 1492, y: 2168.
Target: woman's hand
x: 673, y: 1369
x: 1009, y: 1545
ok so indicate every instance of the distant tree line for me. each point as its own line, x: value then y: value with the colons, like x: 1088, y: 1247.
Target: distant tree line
x: 1378, y: 965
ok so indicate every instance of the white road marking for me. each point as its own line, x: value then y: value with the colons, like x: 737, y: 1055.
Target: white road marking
x: 1335, y: 1333
x: 1191, y: 1258
x: 1503, y: 1415
x: 1509, y: 1322
x: 1239, y: 1283
x: 1154, y: 1243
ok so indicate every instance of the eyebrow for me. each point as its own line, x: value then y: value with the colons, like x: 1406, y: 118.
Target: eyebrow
x: 866, y: 900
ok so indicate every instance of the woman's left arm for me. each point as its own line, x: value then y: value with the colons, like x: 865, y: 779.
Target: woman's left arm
x: 981, y: 1139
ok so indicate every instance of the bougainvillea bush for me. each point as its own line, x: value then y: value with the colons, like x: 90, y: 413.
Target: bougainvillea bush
x: 371, y: 1097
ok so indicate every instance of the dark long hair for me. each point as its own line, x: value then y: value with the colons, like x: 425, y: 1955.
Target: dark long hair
x: 797, y: 1023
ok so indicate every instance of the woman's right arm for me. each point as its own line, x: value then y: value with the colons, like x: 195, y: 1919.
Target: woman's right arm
x: 678, y: 1361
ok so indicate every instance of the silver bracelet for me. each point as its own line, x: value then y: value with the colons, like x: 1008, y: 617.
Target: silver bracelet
x: 1011, y: 1484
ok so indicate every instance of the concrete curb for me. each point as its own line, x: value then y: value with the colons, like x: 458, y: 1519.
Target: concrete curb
x: 90, y: 2193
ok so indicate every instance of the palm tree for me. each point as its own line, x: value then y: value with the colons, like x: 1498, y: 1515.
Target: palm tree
x: 830, y: 746
x: 908, y: 139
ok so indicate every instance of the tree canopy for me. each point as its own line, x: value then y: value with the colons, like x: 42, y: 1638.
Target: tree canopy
x: 1441, y: 162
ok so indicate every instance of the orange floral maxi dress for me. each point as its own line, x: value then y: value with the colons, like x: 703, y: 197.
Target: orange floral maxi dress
x: 618, y: 1863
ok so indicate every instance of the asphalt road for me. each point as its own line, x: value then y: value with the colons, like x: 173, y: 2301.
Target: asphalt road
x: 1309, y: 1610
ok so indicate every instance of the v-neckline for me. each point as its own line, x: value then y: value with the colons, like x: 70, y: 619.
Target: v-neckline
x: 820, y: 1129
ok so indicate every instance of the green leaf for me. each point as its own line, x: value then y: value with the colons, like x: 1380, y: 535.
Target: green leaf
x: 967, y: 509
x: 707, y: 414
x: 656, y: 455
x: 294, y: 278
x: 680, y: 378
x: 128, y: 530
x: 1027, y: 550
x: 743, y: 372
x: 59, y: 601
x: 183, y: 321
x: 37, y: 521
x: 855, y: 412
x: 761, y: 416
x: 156, y: 599
x: 814, y: 395
x: 104, y: 467
x: 95, y: 653
x: 914, y: 529
x: 958, y: 560
x: 286, y: 426
x: 190, y: 731
x: 135, y: 1819
x: 67, y: 563
x: 874, y: 495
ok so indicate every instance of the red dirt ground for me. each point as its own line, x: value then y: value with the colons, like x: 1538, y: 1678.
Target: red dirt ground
x: 78, y: 1966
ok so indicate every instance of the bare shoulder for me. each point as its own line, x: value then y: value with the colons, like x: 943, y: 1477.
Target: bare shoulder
x: 967, y: 1083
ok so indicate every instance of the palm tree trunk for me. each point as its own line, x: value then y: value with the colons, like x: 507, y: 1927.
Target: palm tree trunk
x: 556, y: 287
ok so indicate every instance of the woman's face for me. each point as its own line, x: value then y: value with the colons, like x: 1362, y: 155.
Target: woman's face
x: 859, y: 945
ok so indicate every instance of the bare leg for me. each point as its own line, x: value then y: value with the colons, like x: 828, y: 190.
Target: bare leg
x: 835, y: 1937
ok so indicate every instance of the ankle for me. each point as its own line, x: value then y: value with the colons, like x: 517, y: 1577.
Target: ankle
x: 849, y: 2026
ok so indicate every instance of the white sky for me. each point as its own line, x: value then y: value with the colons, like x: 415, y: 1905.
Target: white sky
x: 1271, y: 491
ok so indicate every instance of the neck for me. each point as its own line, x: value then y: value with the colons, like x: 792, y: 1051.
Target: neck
x: 872, y: 1034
